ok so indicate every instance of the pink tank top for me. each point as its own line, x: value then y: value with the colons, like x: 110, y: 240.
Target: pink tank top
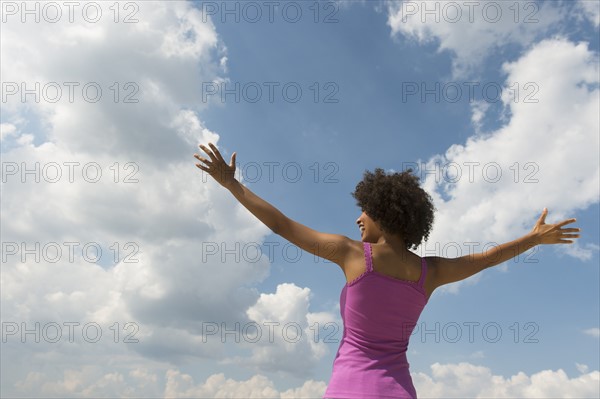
x: 379, y: 313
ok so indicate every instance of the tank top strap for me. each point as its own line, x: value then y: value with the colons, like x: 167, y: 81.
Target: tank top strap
x: 368, y: 257
x: 423, y: 272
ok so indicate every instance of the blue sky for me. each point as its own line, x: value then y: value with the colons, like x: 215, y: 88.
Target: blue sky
x: 526, y: 328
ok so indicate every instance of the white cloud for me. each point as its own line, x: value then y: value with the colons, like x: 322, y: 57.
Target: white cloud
x: 478, y: 110
x: 538, y: 139
x: 137, y: 77
x: 467, y: 380
x: 453, y: 25
x: 164, y: 217
x: 594, y: 332
x: 6, y: 130
x: 190, y: 128
x: 288, y: 338
x: 591, y: 10
x: 583, y: 252
x: 493, y: 188
x: 84, y: 382
x: 444, y: 381
x: 310, y: 389
x: 217, y: 386
x: 582, y: 368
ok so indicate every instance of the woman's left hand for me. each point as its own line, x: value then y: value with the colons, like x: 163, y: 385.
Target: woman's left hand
x: 554, y: 233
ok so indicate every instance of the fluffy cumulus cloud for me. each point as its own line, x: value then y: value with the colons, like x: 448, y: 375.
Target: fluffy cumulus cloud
x: 590, y: 10
x: 133, y: 253
x: 462, y: 380
x: 550, y: 104
x: 465, y: 380
x: 499, y: 181
x: 452, y: 25
x: 115, y: 244
x: 549, y: 118
x: 91, y: 85
x: 6, y: 130
x: 285, y: 335
x: 217, y: 386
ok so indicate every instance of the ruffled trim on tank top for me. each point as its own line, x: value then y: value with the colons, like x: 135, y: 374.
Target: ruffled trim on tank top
x: 357, y: 279
x: 368, y: 266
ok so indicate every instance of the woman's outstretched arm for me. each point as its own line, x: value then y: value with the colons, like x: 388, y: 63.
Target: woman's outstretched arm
x: 333, y: 247
x: 447, y: 270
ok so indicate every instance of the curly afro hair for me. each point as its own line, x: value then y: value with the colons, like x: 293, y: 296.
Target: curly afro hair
x: 398, y: 203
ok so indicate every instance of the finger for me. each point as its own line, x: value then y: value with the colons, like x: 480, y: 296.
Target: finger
x: 565, y: 242
x: 232, y: 162
x: 202, y: 167
x: 542, y: 218
x: 199, y: 158
x: 216, y: 151
x: 570, y: 235
x: 204, y: 148
x: 209, y: 153
x: 568, y: 221
x: 571, y: 229
x: 207, y: 163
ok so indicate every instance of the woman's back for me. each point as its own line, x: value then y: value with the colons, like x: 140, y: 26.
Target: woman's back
x: 379, y: 313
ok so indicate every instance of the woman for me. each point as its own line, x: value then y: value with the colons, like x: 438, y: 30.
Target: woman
x: 381, y: 302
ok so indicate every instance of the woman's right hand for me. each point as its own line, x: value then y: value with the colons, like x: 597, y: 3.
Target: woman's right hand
x: 216, y: 166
